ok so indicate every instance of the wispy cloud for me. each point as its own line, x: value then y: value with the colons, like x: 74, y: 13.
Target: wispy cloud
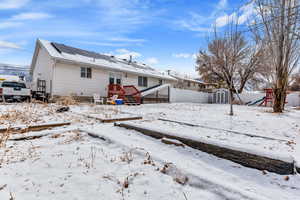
x: 125, y: 54
x: 12, y: 4
x: 104, y: 44
x: 30, y: 16
x: 8, y: 24
x: 116, y: 42
x: 152, y: 61
x: 225, y: 19
x: 199, y: 23
x: 125, y: 39
x: 184, y: 55
x: 20, y: 19
x: 240, y: 17
x: 195, y: 22
x: 124, y: 15
x: 218, y: 17
x: 8, y: 45
x: 222, y: 4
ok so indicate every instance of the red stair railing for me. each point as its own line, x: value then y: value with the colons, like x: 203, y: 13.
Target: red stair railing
x: 122, y: 91
x: 116, y: 89
x: 131, y: 90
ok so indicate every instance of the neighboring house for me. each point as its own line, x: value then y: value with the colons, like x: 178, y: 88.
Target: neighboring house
x: 63, y: 70
x: 21, y: 71
x: 188, y: 83
x: 9, y: 78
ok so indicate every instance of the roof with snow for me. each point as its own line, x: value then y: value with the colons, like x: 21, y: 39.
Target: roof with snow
x: 185, y: 77
x: 70, y: 54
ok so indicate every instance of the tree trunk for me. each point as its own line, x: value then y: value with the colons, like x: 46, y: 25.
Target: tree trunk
x: 279, y: 100
x: 231, y: 101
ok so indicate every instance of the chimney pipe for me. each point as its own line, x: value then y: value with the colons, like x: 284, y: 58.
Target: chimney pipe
x: 130, y: 59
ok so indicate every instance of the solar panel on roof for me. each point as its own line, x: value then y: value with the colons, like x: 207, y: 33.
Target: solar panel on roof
x: 75, y: 51
x: 61, y: 48
x: 142, y: 67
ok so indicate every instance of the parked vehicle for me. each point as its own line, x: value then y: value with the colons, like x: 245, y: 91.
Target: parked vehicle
x: 11, y: 91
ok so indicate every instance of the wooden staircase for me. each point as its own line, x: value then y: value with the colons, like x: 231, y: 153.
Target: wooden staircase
x: 129, y: 93
x: 130, y: 100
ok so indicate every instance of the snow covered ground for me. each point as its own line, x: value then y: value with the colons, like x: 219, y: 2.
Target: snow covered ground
x: 123, y: 164
x: 258, y: 121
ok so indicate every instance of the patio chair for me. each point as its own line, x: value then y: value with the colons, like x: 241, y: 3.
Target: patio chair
x: 97, y: 99
x: 112, y: 99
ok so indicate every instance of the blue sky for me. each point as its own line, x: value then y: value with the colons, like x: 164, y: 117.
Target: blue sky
x: 163, y: 33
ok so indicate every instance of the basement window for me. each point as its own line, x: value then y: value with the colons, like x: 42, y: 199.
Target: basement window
x: 143, y: 81
x: 86, y: 72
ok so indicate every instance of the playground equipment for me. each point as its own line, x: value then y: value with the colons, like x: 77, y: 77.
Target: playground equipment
x: 266, y: 100
x: 261, y: 101
x: 268, y: 97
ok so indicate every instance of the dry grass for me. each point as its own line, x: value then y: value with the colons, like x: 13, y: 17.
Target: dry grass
x: 3, y: 138
x: 25, y: 114
x: 126, y: 157
x: 67, y: 101
x: 11, y: 116
x: 72, y: 136
x: 105, y: 112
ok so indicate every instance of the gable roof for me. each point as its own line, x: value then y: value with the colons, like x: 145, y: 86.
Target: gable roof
x: 66, y: 53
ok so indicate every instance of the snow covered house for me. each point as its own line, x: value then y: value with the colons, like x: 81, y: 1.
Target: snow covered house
x: 187, y: 82
x: 61, y: 70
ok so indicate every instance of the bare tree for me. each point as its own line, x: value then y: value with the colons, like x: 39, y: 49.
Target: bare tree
x: 276, y: 27
x: 231, y: 60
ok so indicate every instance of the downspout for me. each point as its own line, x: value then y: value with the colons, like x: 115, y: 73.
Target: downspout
x: 52, y: 77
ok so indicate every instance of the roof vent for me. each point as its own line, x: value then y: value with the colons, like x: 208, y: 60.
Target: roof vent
x: 130, y: 59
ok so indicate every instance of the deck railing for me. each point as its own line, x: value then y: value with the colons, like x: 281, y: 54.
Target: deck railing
x: 123, y: 91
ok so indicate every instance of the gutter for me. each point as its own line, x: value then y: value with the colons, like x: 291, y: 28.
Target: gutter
x: 112, y: 69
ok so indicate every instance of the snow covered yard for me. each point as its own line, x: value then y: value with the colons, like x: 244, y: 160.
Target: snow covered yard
x: 123, y: 164
x: 250, y: 119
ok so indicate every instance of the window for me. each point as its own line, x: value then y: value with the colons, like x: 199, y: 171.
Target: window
x: 86, y: 72
x: 160, y: 82
x: 119, y: 79
x: 13, y: 85
x: 143, y: 81
x: 111, y: 80
x: 115, y: 78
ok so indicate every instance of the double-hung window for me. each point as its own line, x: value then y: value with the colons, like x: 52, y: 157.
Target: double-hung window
x: 86, y: 72
x: 143, y: 81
